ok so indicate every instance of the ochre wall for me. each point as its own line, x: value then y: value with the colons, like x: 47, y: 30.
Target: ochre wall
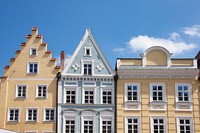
x: 156, y: 57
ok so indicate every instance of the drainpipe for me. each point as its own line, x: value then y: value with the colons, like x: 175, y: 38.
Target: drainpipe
x: 58, y: 78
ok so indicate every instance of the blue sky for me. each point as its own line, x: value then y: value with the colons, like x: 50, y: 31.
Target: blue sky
x: 121, y: 28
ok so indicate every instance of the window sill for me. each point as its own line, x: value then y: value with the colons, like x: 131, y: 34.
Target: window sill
x: 13, y: 121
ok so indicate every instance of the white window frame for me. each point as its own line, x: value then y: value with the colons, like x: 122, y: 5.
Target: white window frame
x: 185, y: 118
x: 158, y: 117
x: 94, y: 94
x: 28, y: 67
x: 48, y: 132
x: 88, y: 119
x: 156, y: 103
x: 31, y: 51
x: 112, y: 94
x: 31, y: 131
x: 107, y: 117
x: 132, y: 117
x: 188, y: 103
x: 31, y: 108
x: 16, y: 93
x: 131, y: 104
x: 87, y: 62
x: 88, y: 48
x: 37, y: 89
x: 8, y: 118
x: 44, y: 115
x: 70, y: 89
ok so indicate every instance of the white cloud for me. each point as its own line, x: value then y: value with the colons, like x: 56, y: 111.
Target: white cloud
x: 143, y: 42
x: 174, y: 36
x: 193, y: 31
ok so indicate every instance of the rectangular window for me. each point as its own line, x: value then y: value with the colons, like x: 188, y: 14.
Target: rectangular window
x: 13, y: 115
x: 88, y: 126
x: 158, y: 125
x: 32, y: 114
x: 157, y: 93
x: 132, y: 92
x: 33, y: 67
x: 69, y: 126
x: 70, y: 96
x: 33, y: 51
x: 106, y: 126
x: 88, y: 51
x: 132, y: 125
x: 183, y: 92
x: 87, y: 69
x: 89, y: 96
x: 21, y: 91
x: 184, y: 125
x: 41, y: 91
x: 107, y: 96
x: 49, y: 114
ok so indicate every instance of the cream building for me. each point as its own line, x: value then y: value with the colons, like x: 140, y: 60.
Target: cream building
x: 157, y: 93
x: 28, y: 88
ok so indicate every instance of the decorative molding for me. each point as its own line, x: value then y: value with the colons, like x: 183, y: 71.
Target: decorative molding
x: 75, y: 66
x: 99, y: 67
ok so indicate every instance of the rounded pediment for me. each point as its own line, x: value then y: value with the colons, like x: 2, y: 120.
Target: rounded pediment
x: 156, y: 56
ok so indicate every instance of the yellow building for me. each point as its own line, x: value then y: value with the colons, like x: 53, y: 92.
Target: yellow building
x: 28, y: 88
x: 157, y: 94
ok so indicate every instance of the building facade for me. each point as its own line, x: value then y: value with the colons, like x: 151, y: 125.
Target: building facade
x: 28, y: 88
x: 157, y: 93
x: 86, y: 95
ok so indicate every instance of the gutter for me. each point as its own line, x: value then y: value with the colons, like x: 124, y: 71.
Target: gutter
x: 58, y: 78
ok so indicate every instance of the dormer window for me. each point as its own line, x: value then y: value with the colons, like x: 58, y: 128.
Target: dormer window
x: 33, y: 51
x: 88, y: 51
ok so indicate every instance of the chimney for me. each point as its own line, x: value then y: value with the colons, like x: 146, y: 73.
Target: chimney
x: 62, y: 59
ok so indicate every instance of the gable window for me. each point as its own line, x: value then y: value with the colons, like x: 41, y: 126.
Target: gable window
x: 107, y: 96
x: 70, y: 96
x: 158, y: 96
x: 49, y: 114
x: 132, y: 125
x: 31, y: 114
x: 13, y: 114
x: 69, y: 126
x: 33, y: 51
x: 33, y: 67
x: 41, y: 91
x: 184, y: 125
x: 88, y: 126
x: 158, y: 125
x: 87, y: 69
x: 132, y: 96
x: 88, y: 51
x: 183, y: 96
x: 21, y: 91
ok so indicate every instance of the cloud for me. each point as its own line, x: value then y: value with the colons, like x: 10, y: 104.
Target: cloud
x: 193, y: 31
x: 143, y: 42
x: 174, y: 36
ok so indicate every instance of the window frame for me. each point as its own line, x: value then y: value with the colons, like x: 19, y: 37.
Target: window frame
x: 88, y: 89
x: 37, y: 89
x: 164, y: 123
x: 88, y: 119
x: 126, y: 92
x: 31, y: 51
x: 32, y: 108
x: 90, y: 50
x: 17, y: 92
x: 8, y: 117
x: 185, y: 118
x: 83, y: 62
x: 65, y: 95
x: 44, y: 114
x: 107, y: 89
x: 189, y: 92
x: 132, y: 117
x: 28, y: 67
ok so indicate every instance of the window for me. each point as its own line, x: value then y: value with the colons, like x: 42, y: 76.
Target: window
x: 31, y: 114
x: 31, y: 132
x: 41, y: 91
x: 132, y: 125
x: 87, y: 69
x: 158, y: 125
x: 70, y: 96
x: 107, y: 96
x: 89, y: 96
x: 33, y: 67
x: 49, y: 114
x: 183, y: 92
x: 184, y: 125
x: 13, y: 114
x: 88, y: 51
x: 88, y: 126
x: 33, y: 51
x: 106, y: 126
x: 69, y: 126
x: 157, y: 92
x: 21, y: 91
